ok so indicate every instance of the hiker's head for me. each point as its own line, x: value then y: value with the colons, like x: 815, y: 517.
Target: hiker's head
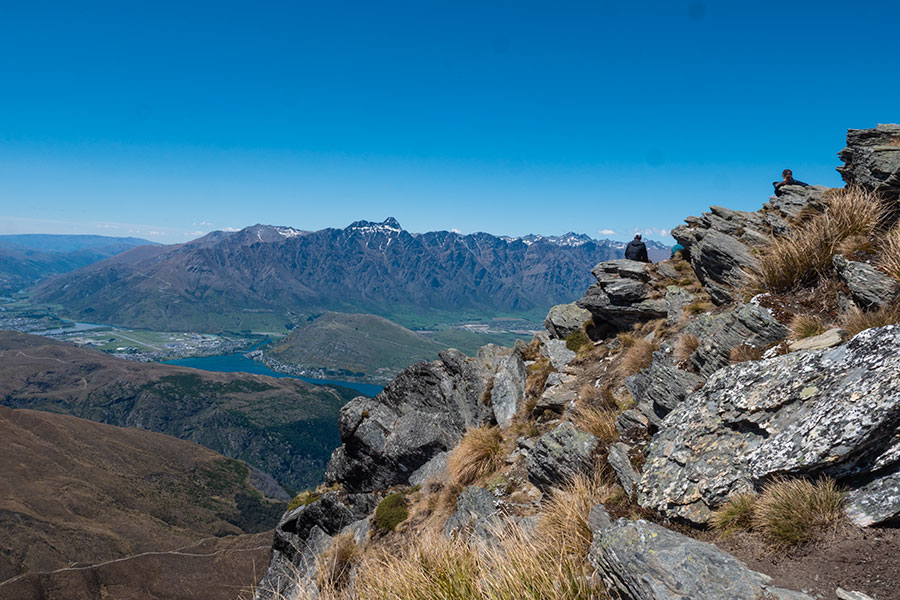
x: 787, y: 174
x: 637, y: 236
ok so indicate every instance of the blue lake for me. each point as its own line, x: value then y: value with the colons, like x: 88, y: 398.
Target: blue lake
x: 233, y: 363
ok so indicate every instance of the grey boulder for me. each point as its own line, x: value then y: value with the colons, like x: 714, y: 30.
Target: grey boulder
x: 559, y: 456
x: 476, y: 508
x: 424, y: 411
x: 661, y: 387
x: 559, y: 355
x: 748, y: 324
x: 869, y: 287
x: 830, y: 412
x: 621, y: 465
x: 508, y: 389
x: 872, y: 159
x: 644, y: 561
x: 621, y: 297
x: 565, y: 319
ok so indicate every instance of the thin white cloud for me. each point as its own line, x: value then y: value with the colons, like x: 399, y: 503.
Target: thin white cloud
x: 195, y: 232
x: 455, y: 230
x: 606, y: 232
x: 156, y: 233
x: 230, y: 229
x: 654, y: 231
x: 202, y: 224
x: 107, y: 226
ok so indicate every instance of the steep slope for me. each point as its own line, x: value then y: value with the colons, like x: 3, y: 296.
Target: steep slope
x: 262, y: 276
x: 26, y: 259
x: 355, y: 345
x: 702, y: 408
x: 79, y: 491
x: 283, y: 426
x: 214, y: 569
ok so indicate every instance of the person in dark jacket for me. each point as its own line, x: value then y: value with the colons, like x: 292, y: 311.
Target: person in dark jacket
x: 637, y: 250
x: 787, y: 179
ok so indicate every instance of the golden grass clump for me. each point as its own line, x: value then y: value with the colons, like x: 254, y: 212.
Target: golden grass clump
x: 805, y: 255
x: 637, y: 357
x: 889, y: 257
x: 736, y: 514
x: 698, y: 307
x: 790, y: 512
x: 860, y: 320
x: 479, y: 452
x: 537, y: 377
x: 685, y: 347
x: 564, y: 517
x: 599, y: 421
x: 745, y: 353
x: 335, y: 564
x: 805, y: 326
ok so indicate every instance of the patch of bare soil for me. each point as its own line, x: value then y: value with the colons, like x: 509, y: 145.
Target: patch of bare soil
x: 863, y: 560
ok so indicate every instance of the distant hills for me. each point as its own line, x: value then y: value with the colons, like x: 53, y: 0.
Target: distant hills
x: 266, y: 277
x: 353, y: 345
x: 79, y: 491
x: 284, y: 427
x: 26, y: 259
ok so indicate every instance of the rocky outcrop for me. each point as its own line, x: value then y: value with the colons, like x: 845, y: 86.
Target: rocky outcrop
x: 621, y: 465
x: 872, y: 159
x: 662, y: 386
x: 644, y: 561
x: 834, y: 412
x: 621, y: 296
x: 476, y: 509
x: 558, y: 353
x: 508, y: 389
x: 559, y: 456
x: 722, y: 243
x: 829, y: 339
x: 565, y: 319
x: 301, y: 535
x: 423, y: 412
x: 876, y: 502
x: 869, y: 288
x: 748, y: 324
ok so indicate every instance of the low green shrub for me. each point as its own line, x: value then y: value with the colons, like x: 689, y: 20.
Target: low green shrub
x: 391, y: 512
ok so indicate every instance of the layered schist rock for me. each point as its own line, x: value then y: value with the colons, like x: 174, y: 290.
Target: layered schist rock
x: 638, y: 560
x: 869, y: 287
x: 872, y: 159
x: 723, y: 244
x: 565, y: 319
x: 621, y: 296
x: 424, y: 411
x: 833, y: 412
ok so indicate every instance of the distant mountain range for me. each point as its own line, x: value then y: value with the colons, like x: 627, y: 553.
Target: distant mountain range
x: 266, y: 277
x: 26, y: 259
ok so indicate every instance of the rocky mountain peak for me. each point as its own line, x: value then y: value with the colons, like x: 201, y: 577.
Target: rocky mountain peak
x: 388, y: 226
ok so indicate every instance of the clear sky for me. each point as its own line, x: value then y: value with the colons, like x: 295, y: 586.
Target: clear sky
x: 168, y: 119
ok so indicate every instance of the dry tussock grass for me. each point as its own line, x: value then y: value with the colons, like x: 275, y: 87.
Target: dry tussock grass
x: 685, y: 347
x: 805, y: 326
x: 745, y: 353
x: 860, y: 320
x: 564, y: 517
x: 479, y: 452
x: 794, y: 511
x: 599, y: 421
x: 637, y: 357
x: 805, y: 256
x: 537, y: 377
x: 336, y: 563
x: 889, y: 258
x: 736, y: 514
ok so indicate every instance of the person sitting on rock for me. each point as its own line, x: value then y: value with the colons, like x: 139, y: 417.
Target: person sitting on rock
x: 677, y: 251
x: 637, y: 250
x: 788, y: 179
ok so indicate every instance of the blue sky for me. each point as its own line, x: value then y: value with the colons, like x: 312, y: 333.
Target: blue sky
x: 166, y: 120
